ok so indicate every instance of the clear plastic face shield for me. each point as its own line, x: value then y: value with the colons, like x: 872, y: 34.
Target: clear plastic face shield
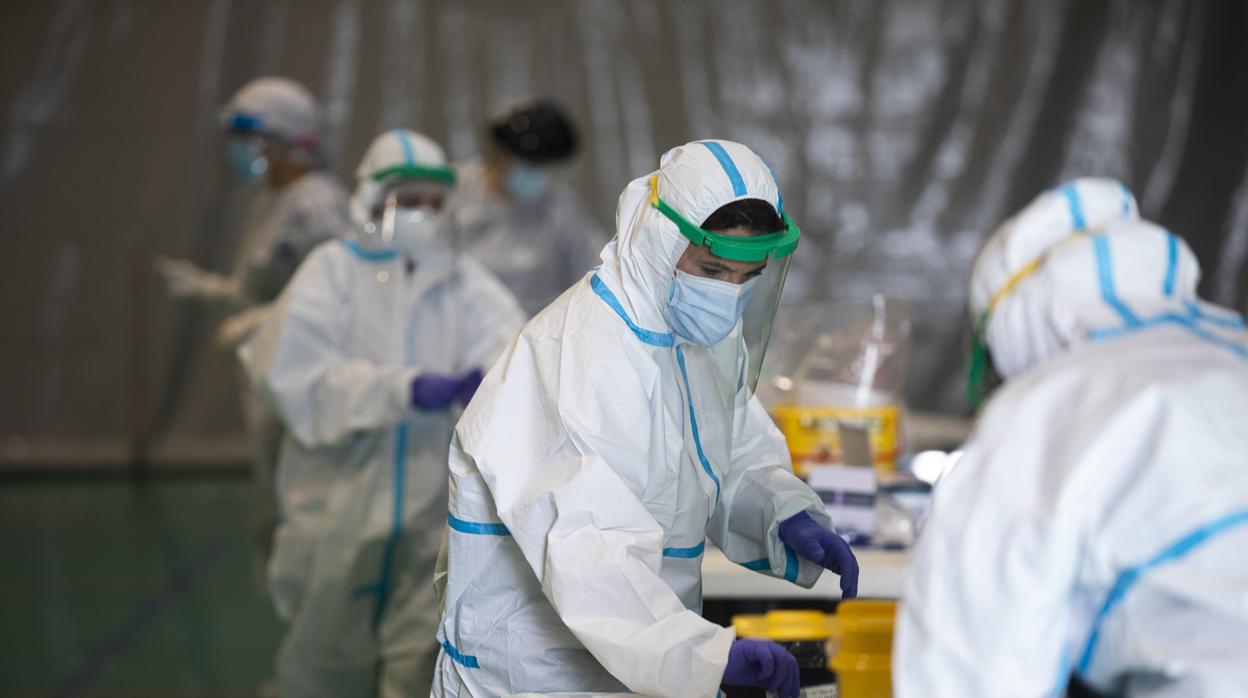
x: 407, y: 210
x: 727, y: 287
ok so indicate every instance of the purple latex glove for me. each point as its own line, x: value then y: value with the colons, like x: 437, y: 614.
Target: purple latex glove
x: 817, y: 544
x: 468, y: 384
x: 431, y: 391
x: 764, y: 664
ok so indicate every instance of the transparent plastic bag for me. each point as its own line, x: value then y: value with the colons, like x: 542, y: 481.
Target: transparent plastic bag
x: 851, y: 370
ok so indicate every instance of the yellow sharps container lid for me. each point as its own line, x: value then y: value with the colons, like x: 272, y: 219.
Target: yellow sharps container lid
x: 783, y: 626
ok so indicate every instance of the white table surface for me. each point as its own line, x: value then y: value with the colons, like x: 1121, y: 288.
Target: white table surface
x: 882, y: 575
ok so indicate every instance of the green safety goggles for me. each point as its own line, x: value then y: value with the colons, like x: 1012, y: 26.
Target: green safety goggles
x: 756, y: 248
x: 443, y: 175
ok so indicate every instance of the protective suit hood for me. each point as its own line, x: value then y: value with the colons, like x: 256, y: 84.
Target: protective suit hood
x: 695, y: 179
x: 1075, y: 265
x: 396, y: 155
x: 278, y: 109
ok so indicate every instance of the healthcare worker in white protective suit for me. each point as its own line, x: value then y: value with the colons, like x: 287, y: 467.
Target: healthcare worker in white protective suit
x: 513, y: 214
x: 615, y: 435
x: 370, y: 353
x: 1098, y: 521
x: 273, y: 143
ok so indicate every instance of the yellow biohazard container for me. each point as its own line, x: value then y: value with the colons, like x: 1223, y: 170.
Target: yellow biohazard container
x: 813, y: 432
x: 861, y: 648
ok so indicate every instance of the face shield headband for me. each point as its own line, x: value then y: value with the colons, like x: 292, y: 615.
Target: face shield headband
x: 755, y: 248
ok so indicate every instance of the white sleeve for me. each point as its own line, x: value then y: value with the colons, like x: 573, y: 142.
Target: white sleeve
x: 565, y: 464
x: 760, y: 492
x: 298, y: 366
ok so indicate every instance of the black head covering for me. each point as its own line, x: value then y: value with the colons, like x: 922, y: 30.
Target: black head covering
x: 536, y: 130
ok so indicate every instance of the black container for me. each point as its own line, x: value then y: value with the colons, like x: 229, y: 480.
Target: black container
x: 812, y: 662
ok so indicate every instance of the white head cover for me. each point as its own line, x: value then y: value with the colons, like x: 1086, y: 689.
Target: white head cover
x: 695, y: 179
x: 1120, y: 273
x: 394, y: 148
x: 278, y: 107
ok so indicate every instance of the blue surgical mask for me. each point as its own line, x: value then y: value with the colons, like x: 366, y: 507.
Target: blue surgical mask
x: 246, y: 159
x: 704, y: 311
x: 526, y: 183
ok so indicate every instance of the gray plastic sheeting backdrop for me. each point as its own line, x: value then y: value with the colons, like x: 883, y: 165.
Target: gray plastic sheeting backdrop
x: 902, y: 133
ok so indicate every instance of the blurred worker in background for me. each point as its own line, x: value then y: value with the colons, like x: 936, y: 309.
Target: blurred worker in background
x: 377, y: 343
x: 513, y: 214
x: 1098, y: 519
x: 273, y: 130
x: 617, y: 433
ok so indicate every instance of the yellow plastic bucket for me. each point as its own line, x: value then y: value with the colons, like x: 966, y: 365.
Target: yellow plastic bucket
x: 861, y: 648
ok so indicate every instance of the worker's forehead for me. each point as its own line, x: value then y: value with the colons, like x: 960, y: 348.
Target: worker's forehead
x: 702, y: 254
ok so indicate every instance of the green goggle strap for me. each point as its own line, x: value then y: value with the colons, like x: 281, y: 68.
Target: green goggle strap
x: 755, y: 248
x: 443, y: 175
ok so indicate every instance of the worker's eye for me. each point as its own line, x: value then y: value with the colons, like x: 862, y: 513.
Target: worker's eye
x: 714, y: 271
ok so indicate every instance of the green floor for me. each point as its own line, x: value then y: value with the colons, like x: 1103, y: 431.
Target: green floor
x: 112, y: 588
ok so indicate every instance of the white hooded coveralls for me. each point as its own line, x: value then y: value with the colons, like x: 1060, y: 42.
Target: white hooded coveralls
x: 1098, y: 521
x: 362, y: 475
x: 599, y: 455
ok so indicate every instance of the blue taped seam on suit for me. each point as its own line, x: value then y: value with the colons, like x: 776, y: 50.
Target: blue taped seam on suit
x: 779, y: 197
x: 409, y: 158
x: 1132, y: 323
x: 693, y: 423
x: 1172, y: 264
x: 690, y: 552
x: 1075, y: 205
x: 760, y: 565
x: 476, y: 529
x: 467, y: 660
x: 658, y: 339
x: 1184, y: 322
x: 1127, y: 198
x: 1063, y: 675
x: 790, y: 564
x: 396, y: 524
x: 1128, y: 577
x: 1105, y: 272
x: 730, y: 167
x: 1229, y: 320
x: 369, y: 255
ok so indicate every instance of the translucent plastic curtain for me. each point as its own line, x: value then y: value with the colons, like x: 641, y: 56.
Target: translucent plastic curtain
x: 902, y: 133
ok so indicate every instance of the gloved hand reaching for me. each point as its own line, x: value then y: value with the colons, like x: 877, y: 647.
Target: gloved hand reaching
x: 432, y: 391
x: 764, y: 664
x: 468, y: 384
x: 819, y: 545
x: 186, y: 280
